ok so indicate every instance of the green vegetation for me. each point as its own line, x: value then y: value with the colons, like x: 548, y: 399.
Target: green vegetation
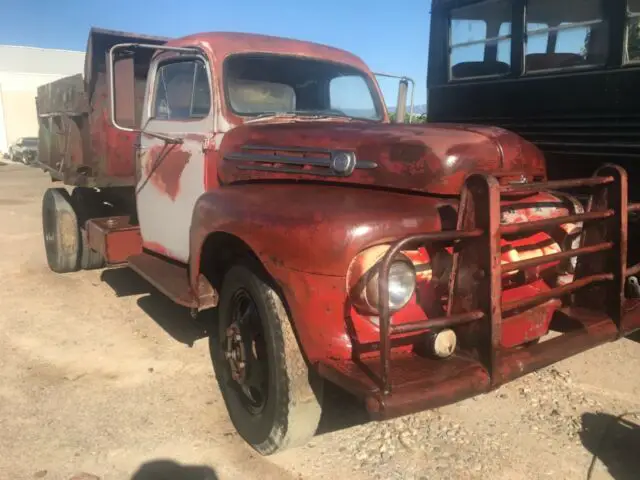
x: 633, y: 40
x: 416, y: 118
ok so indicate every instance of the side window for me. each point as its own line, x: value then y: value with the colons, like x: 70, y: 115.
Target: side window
x: 350, y: 95
x: 182, y: 91
x: 566, y: 34
x: 480, y: 40
x: 632, y: 42
x: 537, y: 38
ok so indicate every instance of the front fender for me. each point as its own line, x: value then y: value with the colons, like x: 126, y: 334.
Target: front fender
x: 311, y: 228
x: 306, y: 235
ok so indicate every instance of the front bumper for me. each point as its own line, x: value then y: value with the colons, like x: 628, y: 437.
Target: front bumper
x: 594, y: 308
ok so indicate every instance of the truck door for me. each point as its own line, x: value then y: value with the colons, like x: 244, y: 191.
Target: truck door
x: 171, y: 176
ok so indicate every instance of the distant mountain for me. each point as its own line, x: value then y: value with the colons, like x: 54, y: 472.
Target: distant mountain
x: 417, y: 110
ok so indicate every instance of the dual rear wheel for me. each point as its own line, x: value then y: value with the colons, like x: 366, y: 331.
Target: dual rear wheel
x: 65, y: 239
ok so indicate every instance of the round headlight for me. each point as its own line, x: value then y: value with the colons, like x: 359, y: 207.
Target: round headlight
x: 402, y: 283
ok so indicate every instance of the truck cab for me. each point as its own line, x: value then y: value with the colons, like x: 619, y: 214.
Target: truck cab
x: 260, y: 178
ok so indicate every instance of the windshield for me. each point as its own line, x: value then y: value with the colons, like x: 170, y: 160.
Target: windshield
x: 30, y: 142
x: 275, y: 84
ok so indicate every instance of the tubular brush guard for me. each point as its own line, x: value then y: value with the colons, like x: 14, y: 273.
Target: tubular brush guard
x: 594, y: 309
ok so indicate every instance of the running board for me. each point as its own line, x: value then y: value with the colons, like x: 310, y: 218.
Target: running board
x: 172, y: 279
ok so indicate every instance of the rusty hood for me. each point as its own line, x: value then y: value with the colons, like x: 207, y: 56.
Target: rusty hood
x: 433, y: 158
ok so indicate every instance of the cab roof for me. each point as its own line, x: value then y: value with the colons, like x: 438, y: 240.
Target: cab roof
x: 223, y: 44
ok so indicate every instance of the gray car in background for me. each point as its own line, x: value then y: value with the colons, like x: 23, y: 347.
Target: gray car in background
x: 24, y: 149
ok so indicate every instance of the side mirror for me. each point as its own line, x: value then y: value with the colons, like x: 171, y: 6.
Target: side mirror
x: 401, y: 106
x: 400, y: 115
x: 123, y: 96
x: 122, y: 82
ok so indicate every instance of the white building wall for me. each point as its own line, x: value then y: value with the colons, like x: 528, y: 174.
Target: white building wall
x: 3, y: 130
x: 22, y: 71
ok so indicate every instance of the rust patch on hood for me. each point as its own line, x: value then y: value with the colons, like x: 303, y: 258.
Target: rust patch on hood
x: 431, y: 158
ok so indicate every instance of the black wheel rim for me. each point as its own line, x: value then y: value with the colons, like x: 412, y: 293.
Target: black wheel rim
x: 245, y: 350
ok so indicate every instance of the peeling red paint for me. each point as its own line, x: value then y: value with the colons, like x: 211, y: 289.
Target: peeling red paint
x: 283, y: 222
x: 112, y: 150
x: 218, y: 46
x: 307, y: 236
x: 429, y: 158
x: 164, y: 168
x: 532, y: 324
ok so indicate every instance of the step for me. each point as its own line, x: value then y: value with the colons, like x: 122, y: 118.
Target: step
x: 171, y: 278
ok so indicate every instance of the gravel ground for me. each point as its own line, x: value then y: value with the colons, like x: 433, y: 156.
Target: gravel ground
x: 102, y: 377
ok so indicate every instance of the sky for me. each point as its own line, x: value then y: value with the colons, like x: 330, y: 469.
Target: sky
x: 390, y: 36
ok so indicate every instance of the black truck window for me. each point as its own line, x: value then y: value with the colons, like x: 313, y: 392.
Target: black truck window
x: 632, y: 47
x: 480, y: 40
x: 564, y: 34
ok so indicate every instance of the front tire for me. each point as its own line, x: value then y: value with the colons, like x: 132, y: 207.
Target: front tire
x: 270, y: 393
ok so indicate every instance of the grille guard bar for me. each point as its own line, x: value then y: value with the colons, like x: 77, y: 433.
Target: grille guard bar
x: 598, y: 286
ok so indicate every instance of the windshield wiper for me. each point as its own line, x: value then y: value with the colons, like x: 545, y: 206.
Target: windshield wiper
x: 271, y: 114
x: 316, y: 114
x: 322, y: 114
x: 332, y: 114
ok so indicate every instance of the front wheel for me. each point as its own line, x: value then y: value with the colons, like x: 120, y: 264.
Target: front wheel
x: 271, y: 395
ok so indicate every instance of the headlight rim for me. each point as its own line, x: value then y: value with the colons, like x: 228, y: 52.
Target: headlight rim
x: 370, y: 292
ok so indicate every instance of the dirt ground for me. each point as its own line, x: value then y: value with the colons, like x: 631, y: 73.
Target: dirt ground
x: 102, y: 375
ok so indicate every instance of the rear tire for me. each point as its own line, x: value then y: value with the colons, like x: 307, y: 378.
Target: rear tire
x: 275, y: 405
x: 87, y: 204
x: 60, y: 231
x: 89, y: 258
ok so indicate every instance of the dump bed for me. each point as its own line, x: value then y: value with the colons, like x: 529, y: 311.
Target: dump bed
x: 77, y: 142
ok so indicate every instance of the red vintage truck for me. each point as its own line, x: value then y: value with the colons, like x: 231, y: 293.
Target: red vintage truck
x: 411, y: 265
